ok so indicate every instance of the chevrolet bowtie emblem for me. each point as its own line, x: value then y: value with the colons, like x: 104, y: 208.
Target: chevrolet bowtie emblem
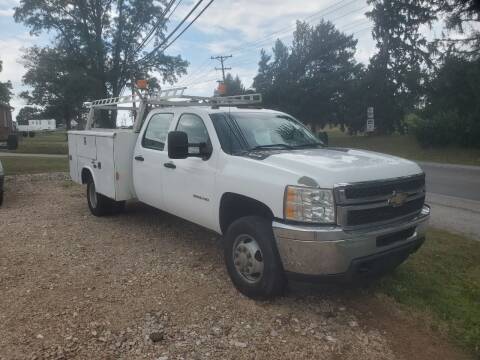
x: 397, y: 199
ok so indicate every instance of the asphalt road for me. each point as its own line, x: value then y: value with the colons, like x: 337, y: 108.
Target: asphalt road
x: 453, y: 191
x: 453, y: 180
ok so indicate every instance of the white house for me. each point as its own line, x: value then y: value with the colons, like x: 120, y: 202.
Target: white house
x: 39, y: 125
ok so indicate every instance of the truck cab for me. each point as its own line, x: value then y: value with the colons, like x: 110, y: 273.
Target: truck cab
x: 286, y: 205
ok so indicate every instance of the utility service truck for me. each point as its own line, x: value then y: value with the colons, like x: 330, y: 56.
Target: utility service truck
x: 286, y: 205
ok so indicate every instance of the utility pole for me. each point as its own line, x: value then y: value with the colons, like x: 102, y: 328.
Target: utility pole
x: 222, y: 59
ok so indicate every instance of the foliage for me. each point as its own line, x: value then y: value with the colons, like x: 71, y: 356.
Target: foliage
x: 452, y: 112
x: 28, y: 113
x: 5, y: 90
x: 98, y: 42
x: 397, y: 72
x: 233, y: 85
x: 312, y: 79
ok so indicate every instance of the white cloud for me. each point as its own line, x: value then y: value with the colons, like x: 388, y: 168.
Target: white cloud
x: 7, y: 12
x: 13, y: 70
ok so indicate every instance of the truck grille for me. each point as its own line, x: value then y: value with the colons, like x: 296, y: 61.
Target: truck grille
x: 378, y: 202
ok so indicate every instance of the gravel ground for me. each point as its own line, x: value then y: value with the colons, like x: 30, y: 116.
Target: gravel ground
x: 147, y: 285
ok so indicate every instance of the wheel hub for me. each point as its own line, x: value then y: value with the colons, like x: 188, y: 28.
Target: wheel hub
x: 248, y: 258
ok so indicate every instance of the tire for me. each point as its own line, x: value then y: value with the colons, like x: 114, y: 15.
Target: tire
x: 12, y: 142
x: 1, y: 198
x: 250, y: 246
x: 31, y: 134
x: 99, y: 204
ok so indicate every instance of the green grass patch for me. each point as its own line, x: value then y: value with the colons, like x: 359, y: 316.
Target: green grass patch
x: 44, y: 143
x: 405, y: 146
x: 443, y: 280
x: 13, y: 165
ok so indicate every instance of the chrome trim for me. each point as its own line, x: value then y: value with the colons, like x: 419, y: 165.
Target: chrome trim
x: 330, y: 250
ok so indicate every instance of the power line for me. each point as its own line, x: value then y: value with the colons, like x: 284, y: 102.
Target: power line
x: 200, y: 72
x: 161, y: 21
x: 188, y: 26
x: 150, y: 54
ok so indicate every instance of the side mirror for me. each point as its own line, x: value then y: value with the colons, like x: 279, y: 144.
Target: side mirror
x: 177, y: 145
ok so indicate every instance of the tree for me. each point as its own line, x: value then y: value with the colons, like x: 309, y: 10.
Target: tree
x: 105, y: 37
x: 233, y: 85
x: 60, y: 83
x: 28, y: 113
x: 397, y: 73
x: 313, y: 78
x: 5, y: 89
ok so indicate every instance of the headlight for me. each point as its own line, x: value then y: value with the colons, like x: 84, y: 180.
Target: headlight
x: 310, y: 205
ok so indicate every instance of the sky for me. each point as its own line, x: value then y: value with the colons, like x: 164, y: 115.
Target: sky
x: 228, y: 27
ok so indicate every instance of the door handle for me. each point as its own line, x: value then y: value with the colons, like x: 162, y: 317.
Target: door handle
x: 170, y: 165
x: 139, y: 158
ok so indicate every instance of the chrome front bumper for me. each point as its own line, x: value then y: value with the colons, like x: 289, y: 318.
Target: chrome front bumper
x: 331, y: 250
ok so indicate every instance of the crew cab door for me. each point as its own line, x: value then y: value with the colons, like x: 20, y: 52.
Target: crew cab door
x: 189, y: 183
x: 148, y: 159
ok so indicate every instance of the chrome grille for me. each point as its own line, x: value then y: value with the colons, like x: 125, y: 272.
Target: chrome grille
x: 378, y: 202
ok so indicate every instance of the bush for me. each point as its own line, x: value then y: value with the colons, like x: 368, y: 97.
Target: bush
x: 445, y: 128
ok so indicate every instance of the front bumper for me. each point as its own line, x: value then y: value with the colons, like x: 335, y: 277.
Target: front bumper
x: 331, y: 250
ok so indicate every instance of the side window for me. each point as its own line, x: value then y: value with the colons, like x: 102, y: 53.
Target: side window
x: 156, y: 132
x: 194, y: 127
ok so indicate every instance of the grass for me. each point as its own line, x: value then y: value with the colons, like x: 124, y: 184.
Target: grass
x: 44, y: 143
x: 443, y: 280
x: 31, y: 165
x: 405, y: 146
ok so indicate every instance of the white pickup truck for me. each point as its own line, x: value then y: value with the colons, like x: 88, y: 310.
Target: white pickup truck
x: 286, y: 205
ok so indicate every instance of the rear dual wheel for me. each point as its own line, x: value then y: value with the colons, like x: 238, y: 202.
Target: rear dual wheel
x: 99, y: 204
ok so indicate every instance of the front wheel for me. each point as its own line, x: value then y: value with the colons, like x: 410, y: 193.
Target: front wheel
x: 252, y: 258
x: 99, y: 204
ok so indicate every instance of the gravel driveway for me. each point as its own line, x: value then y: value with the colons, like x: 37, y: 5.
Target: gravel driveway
x: 147, y: 285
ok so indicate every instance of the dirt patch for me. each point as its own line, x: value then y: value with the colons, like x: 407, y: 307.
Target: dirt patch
x: 146, y: 284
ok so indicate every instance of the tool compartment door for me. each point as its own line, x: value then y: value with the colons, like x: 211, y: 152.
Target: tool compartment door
x: 103, y: 167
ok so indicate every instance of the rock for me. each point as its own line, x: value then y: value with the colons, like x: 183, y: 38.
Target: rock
x: 330, y: 338
x: 162, y: 358
x: 353, y: 323
x: 238, y: 344
x: 157, y: 336
x: 39, y: 336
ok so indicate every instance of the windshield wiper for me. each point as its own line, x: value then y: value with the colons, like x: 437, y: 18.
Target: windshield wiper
x: 304, y: 146
x: 271, y: 146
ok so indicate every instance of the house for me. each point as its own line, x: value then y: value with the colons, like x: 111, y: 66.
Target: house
x: 39, y: 125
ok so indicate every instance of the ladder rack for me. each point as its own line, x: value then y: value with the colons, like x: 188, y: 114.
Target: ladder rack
x: 175, y: 97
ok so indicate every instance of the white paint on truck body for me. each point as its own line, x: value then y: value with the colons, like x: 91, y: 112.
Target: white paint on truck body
x: 107, y: 155
x: 194, y: 189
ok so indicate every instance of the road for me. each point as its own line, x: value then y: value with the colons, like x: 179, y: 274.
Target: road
x: 454, y: 193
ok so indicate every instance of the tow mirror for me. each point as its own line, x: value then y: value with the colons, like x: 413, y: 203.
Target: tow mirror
x: 177, y: 145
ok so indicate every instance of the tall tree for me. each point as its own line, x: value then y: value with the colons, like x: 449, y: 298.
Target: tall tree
x: 233, y: 85
x: 105, y: 35
x: 311, y: 78
x: 5, y: 89
x: 60, y: 83
x: 397, y: 72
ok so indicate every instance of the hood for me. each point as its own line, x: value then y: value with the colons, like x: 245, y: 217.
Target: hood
x: 333, y: 166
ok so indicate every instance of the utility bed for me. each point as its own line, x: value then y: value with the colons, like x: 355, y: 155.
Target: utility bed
x: 107, y: 153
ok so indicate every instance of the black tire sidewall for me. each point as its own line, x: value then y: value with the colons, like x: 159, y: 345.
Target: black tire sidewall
x: 273, y: 280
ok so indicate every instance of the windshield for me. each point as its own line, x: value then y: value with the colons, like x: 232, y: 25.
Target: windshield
x: 261, y: 130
